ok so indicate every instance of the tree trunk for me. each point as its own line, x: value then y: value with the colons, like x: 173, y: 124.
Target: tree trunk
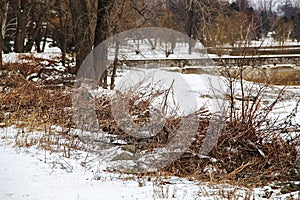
x: 83, y: 30
x: 21, y: 25
x: 115, y: 65
x: 1, y: 14
x: 102, y: 33
x: 62, y: 28
x: 102, y: 26
x: 45, y: 38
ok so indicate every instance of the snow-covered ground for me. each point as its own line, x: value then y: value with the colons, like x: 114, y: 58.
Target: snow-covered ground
x: 24, y: 175
x: 269, y: 41
x: 33, y: 173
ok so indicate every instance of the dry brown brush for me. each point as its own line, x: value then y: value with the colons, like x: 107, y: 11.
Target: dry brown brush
x: 255, y: 147
x: 251, y: 149
x: 26, y: 103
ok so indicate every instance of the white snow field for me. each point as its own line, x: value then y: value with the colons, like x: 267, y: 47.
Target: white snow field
x: 33, y: 174
x: 24, y: 176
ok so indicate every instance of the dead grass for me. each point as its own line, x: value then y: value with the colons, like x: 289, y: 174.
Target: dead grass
x: 251, y: 150
x: 273, y: 75
x: 25, y: 103
x: 245, y: 154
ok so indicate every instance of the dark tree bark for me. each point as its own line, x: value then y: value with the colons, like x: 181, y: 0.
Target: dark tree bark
x: 115, y: 64
x: 62, y: 32
x: 102, y: 33
x: 37, y: 14
x: 62, y: 29
x: 83, y: 33
x: 21, y: 26
x: 1, y: 14
x: 86, y: 37
x: 102, y: 26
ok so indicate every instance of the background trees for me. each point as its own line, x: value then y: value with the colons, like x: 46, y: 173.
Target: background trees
x: 291, y: 13
x: 60, y: 28
x: 194, y: 16
x: 267, y: 15
x: 25, y: 24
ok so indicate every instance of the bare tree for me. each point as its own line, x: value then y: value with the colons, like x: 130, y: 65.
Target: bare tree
x: 102, y: 26
x: 296, y: 25
x: 91, y: 27
x: 291, y: 15
x: 267, y: 15
x: 21, y: 10
x: 3, y: 13
x: 195, y: 15
x: 83, y: 29
x: 61, y: 27
x: 37, y: 13
x: 101, y: 33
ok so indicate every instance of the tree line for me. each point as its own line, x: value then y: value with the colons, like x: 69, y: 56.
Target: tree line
x: 76, y: 26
